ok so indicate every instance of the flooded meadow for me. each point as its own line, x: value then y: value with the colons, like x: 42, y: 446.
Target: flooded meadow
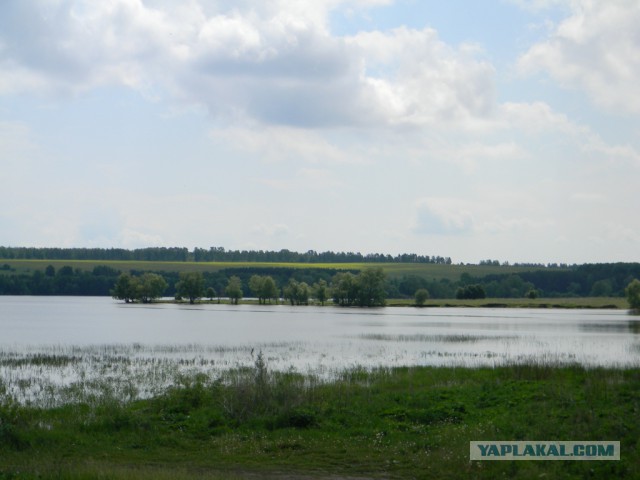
x: 56, y: 350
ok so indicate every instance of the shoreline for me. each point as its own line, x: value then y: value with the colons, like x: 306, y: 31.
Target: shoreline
x: 587, y: 303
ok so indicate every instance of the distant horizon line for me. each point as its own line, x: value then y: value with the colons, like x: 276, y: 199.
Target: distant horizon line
x: 196, y: 251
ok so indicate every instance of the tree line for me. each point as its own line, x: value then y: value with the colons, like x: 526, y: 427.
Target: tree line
x: 213, y: 254
x: 365, y: 289
x: 101, y: 279
x: 157, y: 254
x: 588, y: 280
x: 63, y: 281
x: 595, y: 280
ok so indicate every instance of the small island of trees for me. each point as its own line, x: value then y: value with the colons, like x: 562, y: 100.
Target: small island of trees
x: 365, y: 289
x: 145, y: 288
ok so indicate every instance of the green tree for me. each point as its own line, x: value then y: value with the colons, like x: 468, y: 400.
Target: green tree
x: 409, y: 284
x: 370, y: 287
x: 297, y: 293
x: 149, y: 287
x: 125, y: 288
x: 263, y: 287
x: 255, y: 285
x: 472, y: 292
x: 633, y: 294
x: 191, y: 286
x: 211, y: 292
x: 601, y: 288
x: 321, y: 291
x: 65, y: 271
x: 532, y: 294
x: 290, y: 291
x: 421, y: 296
x: 269, y: 290
x: 344, y: 288
x: 303, y: 293
x: 234, y: 289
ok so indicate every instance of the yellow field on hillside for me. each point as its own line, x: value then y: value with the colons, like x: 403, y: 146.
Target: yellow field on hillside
x: 425, y: 270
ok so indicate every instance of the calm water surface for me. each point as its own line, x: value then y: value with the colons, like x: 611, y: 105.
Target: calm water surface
x: 391, y: 335
x: 143, y: 344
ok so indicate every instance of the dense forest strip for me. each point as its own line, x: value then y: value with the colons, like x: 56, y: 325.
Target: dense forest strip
x: 213, y: 254
x: 402, y: 280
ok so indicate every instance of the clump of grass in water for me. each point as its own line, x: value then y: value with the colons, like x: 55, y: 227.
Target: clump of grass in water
x: 255, y: 394
x: 39, y: 359
x: 453, y: 338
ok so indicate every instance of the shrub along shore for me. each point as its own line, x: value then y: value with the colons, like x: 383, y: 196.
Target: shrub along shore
x: 386, y: 423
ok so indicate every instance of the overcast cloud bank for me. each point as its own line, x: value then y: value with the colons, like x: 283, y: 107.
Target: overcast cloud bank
x: 254, y: 125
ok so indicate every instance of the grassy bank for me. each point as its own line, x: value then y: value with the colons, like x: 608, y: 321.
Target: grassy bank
x: 569, y: 302
x: 400, y: 423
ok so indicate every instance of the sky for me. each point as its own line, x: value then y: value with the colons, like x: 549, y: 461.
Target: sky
x: 501, y: 129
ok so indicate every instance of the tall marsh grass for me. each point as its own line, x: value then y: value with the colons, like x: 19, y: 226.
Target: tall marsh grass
x: 448, y: 338
x: 55, y: 375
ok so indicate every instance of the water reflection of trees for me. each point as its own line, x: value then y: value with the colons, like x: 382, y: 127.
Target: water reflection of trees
x: 634, y: 325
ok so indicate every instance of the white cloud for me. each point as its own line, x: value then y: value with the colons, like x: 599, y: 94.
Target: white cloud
x: 474, y: 156
x: 279, y: 230
x: 130, y: 238
x: 610, y: 154
x: 488, y: 212
x: 16, y: 145
x: 537, y: 5
x: 540, y: 120
x: 521, y: 225
x: 275, y: 62
x: 417, y: 78
x: 588, y: 198
x: 305, y: 124
x: 536, y: 117
x: 278, y: 144
x: 595, y: 49
x: 443, y: 216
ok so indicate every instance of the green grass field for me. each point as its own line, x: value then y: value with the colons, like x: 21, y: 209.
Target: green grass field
x: 429, y: 271
x: 399, y: 423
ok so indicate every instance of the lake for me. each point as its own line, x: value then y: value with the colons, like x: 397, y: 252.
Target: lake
x: 53, y: 345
